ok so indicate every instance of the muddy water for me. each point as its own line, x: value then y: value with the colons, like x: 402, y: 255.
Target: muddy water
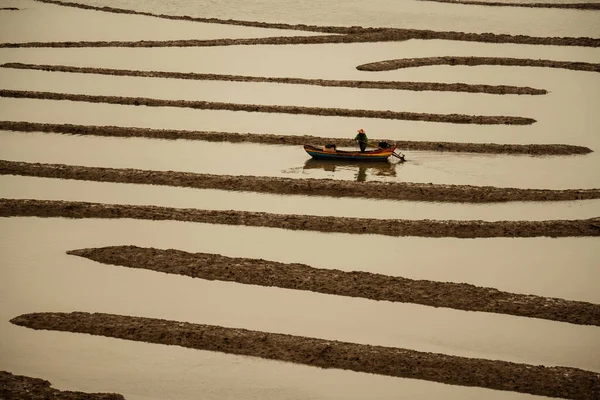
x: 404, y: 14
x: 35, y: 277
x: 292, y: 161
x: 173, y: 372
x: 45, y: 22
x: 326, y: 61
x: 55, y: 189
x: 269, y: 93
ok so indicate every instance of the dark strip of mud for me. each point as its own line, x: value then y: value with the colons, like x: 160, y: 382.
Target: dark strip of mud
x: 414, y: 86
x: 308, y: 187
x: 277, y: 40
x: 356, y: 33
x: 290, y: 140
x: 576, y: 6
x: 9, y: 9
x: 24, y: 387
x: 366, y: 285
x: 389, y: 65
x: 563, y: 382
x: 387, y: 227
x: 329, y: 112
x: 372, y: 37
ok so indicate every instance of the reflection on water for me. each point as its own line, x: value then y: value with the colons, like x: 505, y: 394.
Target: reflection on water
x: 361, y: 169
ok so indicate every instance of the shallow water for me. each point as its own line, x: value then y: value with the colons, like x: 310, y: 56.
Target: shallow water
x: 389, y: 13
x: 19, y: 187
x: 291, y: 161
x: 174, y: 372
x: 41, y: 22
x: 37, y: 275
x: 90, y: 286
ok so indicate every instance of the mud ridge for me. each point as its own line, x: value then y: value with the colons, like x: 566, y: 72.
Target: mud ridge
x: 9, y: 9
x: 290, y: 140
x: 353, y: 33
x: 387, y: 227
x: 563, y: 382
x: 377, y: 35
x: 389, y: 65
x: 24, y: 387
x: 330, y: 112
x: 414, y: 86
x: 577, y: 6
x: 366, y: 285
x: 296, y: 186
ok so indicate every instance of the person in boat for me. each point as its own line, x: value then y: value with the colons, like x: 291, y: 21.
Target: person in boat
x: 362, y: 139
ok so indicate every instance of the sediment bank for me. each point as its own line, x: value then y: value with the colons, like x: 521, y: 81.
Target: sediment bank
x: 563, y: 382
x: 394, y: 85
x: 572, y: 6
x: 366, y: 285
x: 353, y: 33
x: 290, y: 186
x: 389, y: 65
x: 330, y: 112
x: 24, y: 387
x: 290, y: 140
x: 387, y: 227
x: 373, y: 36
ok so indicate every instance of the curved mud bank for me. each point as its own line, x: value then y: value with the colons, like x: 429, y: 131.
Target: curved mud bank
x: 572, y: 6
x: 291, y: 140
x: 389, y: 65
x: 389, y: 227
x: 562, y: 382
x: 366, y: 285
x: 329, y: 112
x: 24, y: 387
x: 395, y: 85
x: 354, y: 33
x: 288, y: 186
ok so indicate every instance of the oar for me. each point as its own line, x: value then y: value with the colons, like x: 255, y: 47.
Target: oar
x: 400, y: 157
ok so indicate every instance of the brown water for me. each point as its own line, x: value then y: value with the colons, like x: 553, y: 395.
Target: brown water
x: 37, y: 275
x: 88, y: 286
x: 47, y: 22
x: 392, y: 13
x: 17, y: 187
x: 292, y: 161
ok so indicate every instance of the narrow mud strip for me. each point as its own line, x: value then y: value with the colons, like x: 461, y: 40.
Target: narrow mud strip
x: 290, y: 140
x: 366, y: 285
x: 577, y: 6
x: 562, y: 382
x: 9, y: 9
x: 370, y: 37
x: 389, y: 65
x: 329, y: 112
x: 24, y: 387
x: 277, y: 40
x: 414, y: 86
x: 387, y: 227
x: 297, y: 186
x: 353, y: 33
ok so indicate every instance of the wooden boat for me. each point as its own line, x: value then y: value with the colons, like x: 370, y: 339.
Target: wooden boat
x: 331, y: 153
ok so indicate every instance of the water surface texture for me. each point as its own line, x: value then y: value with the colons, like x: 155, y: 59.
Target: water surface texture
x: 389, y: 13
x: 37, y: 275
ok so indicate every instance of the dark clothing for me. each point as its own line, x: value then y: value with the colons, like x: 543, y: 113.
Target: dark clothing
x: 362, y: 141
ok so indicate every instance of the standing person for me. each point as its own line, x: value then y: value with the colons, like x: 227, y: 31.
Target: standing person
x: 362, y: 139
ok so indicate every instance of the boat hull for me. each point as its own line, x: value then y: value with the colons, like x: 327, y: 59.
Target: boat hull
x: 325, y: 154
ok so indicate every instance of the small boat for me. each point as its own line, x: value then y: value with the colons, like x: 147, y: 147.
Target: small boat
x: 330, y: 152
